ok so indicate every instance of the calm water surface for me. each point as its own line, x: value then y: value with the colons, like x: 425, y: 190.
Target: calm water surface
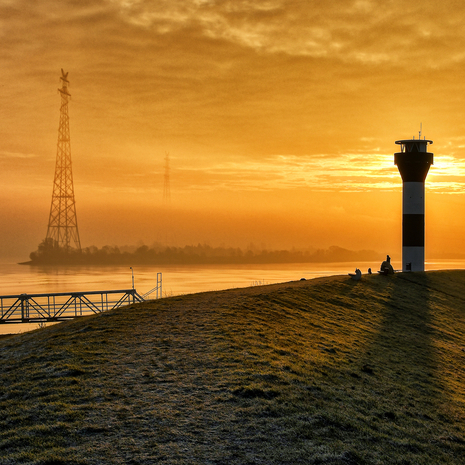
x: 20, y: 279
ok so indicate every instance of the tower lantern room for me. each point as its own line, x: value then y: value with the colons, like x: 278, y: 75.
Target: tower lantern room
x: 413, y: 160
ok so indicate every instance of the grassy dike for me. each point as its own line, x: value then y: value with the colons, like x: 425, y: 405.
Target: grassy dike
x: 326, y: 371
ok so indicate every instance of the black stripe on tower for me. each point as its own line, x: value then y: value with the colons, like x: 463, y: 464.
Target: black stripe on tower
x: 413, y: 230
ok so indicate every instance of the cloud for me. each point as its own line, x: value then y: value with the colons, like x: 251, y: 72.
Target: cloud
x: 289, y: 172
x: 12, y: 155
x: 366, y: 32
x: 236, y: 81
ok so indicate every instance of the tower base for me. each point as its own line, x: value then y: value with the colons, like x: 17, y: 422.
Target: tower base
x: 413, y: 259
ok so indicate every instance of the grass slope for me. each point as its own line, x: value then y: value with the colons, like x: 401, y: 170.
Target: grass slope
x: 327, y: 371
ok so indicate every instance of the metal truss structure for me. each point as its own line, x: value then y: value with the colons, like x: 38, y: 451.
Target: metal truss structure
x: 166, y: 184
x: 39, y: 308
x: 62, y: 228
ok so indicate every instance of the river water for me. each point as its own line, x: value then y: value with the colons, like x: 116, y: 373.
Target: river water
x: 23, y: 279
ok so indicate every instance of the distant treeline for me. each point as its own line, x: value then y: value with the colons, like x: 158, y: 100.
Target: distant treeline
x: 49, y: 253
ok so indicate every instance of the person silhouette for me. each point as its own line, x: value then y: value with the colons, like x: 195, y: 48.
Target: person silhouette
x: 386, y: 267
x: 357, y: 275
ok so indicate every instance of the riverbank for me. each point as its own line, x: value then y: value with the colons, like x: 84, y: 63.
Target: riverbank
x: 201, y: 254
x: 327, y: 370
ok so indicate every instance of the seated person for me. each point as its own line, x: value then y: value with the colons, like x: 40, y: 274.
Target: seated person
x: 357, y: 276
x: 386, y: 266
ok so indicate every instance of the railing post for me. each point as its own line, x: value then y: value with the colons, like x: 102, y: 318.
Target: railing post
x: 159, y: 285
x: 24, y: 307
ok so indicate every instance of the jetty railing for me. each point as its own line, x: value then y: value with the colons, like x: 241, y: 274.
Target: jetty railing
x: 157, y: 288
x: 38, y: 308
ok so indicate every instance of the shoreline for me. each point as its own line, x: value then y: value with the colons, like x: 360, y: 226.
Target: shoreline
x: 246, y: 290
x: 295, y: 372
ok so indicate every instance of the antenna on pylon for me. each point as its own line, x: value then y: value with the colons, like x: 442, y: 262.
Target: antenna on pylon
x: 62, y: 228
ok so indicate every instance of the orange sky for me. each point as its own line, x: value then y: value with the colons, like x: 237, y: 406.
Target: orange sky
x: 279, y: 117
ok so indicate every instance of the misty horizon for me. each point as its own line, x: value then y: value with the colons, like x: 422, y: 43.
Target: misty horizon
x: 49, y: 252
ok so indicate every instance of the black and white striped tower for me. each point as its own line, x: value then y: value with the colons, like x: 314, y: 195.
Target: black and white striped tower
x: 413, y: 162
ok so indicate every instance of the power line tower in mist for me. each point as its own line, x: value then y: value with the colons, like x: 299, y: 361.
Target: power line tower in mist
x: 166, y: 185
x: 62, y: 224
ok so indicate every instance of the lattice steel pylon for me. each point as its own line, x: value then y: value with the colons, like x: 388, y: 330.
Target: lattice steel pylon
x: 62, y: 224
x: 166, y: 185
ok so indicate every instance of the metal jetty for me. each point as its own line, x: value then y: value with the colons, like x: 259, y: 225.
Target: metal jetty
x: 41, y: 308
x: 37, y: 308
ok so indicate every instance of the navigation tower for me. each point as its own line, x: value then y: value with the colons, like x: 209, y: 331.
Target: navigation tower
x: 413, y: 162
x: 166, y: 186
